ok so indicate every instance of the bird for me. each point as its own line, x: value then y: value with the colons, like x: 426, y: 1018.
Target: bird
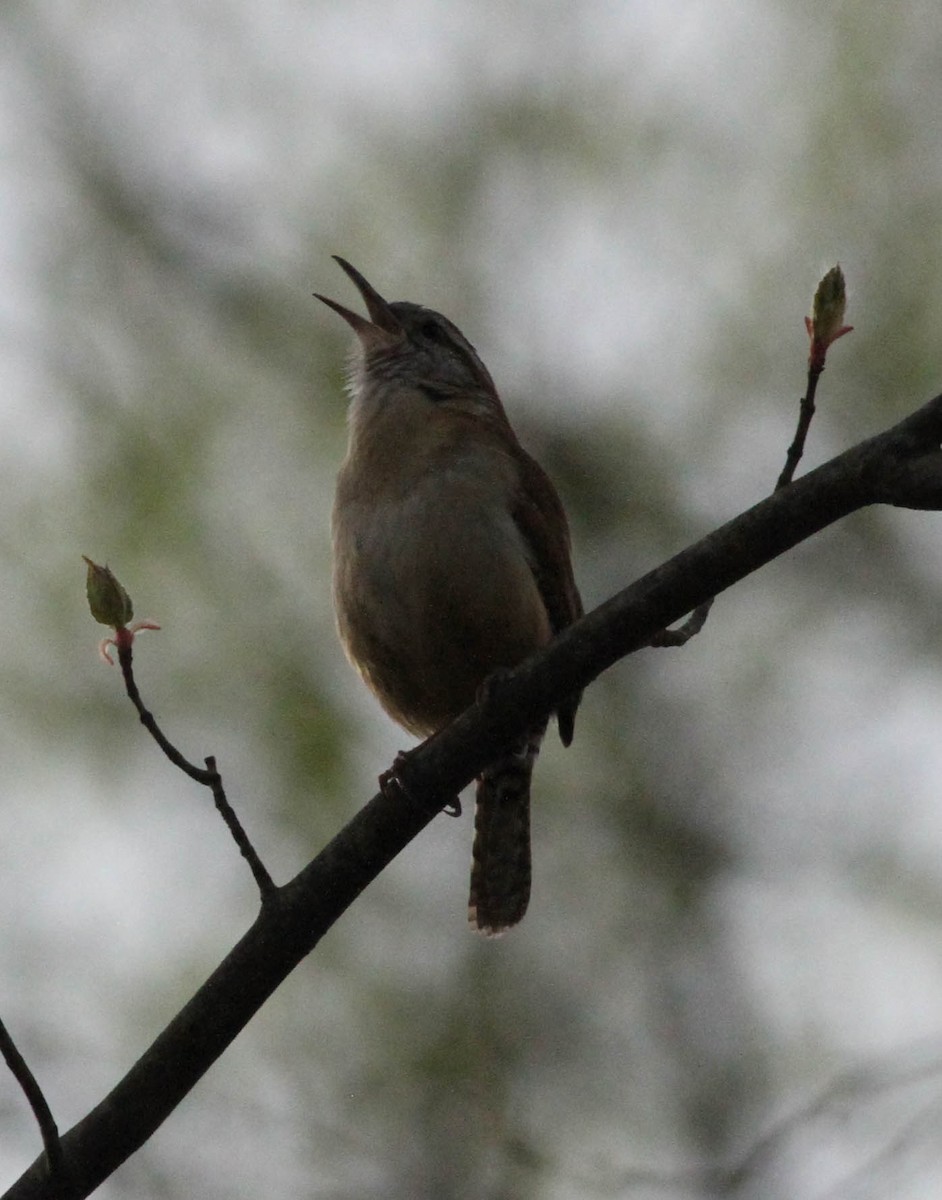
x: 451, y: 560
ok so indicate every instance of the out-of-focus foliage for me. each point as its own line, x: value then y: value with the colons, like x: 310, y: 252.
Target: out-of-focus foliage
x: 737, y: 892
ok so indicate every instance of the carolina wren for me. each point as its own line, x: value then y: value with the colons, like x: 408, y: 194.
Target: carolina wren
x: 451, y: 559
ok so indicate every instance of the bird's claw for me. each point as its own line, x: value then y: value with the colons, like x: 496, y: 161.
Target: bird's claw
x: 394, y: 784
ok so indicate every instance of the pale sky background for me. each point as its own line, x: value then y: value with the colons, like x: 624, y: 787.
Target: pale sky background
x: 738, y: 894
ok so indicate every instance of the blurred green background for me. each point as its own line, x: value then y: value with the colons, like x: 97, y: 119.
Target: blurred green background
x: 738, y: 891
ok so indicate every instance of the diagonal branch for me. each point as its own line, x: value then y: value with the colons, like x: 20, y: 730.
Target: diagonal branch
x: 55, y: 1164
x: 209, y: 777
x: 902, y: 467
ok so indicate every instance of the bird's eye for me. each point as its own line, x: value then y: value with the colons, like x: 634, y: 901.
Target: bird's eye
x: 432, y: 331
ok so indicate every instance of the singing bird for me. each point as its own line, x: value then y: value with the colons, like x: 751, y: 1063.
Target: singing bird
x: 451, y: 560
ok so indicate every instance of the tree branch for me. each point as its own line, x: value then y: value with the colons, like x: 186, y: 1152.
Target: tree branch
x: 209, y: 777
x: 902, y: 467
x: 55, y: 1164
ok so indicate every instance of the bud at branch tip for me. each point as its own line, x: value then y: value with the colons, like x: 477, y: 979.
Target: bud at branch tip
x: 826, y: 323
x: 110, y: 604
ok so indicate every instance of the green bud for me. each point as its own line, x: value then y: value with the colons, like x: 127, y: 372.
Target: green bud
x: 108, y: 601
x: 830, y: 301
x: 826, y: 323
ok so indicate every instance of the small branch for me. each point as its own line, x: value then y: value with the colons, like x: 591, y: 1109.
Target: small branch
x: 125, y: 659
x: 825, y: 326
x: 264, y: 881
x: 37, y: 1102
x: 816, y: 360
x: 208, y: 776
x: 670, y: 638
x: 805, y: 417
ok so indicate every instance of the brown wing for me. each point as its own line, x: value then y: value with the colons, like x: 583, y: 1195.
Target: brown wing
x: 541, y: 518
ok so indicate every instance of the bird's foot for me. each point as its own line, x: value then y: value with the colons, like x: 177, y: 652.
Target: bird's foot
x: 394, y: 784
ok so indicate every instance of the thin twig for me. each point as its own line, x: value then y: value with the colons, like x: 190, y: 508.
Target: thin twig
x: 208, y: 776
x: 37, y: 1102
x: 805, y: 415
x: 698, y: 618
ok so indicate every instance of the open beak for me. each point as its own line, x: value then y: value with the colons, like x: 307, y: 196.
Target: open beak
x: 383, y: 327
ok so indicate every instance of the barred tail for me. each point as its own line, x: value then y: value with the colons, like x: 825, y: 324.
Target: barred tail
x: 500, y: 867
